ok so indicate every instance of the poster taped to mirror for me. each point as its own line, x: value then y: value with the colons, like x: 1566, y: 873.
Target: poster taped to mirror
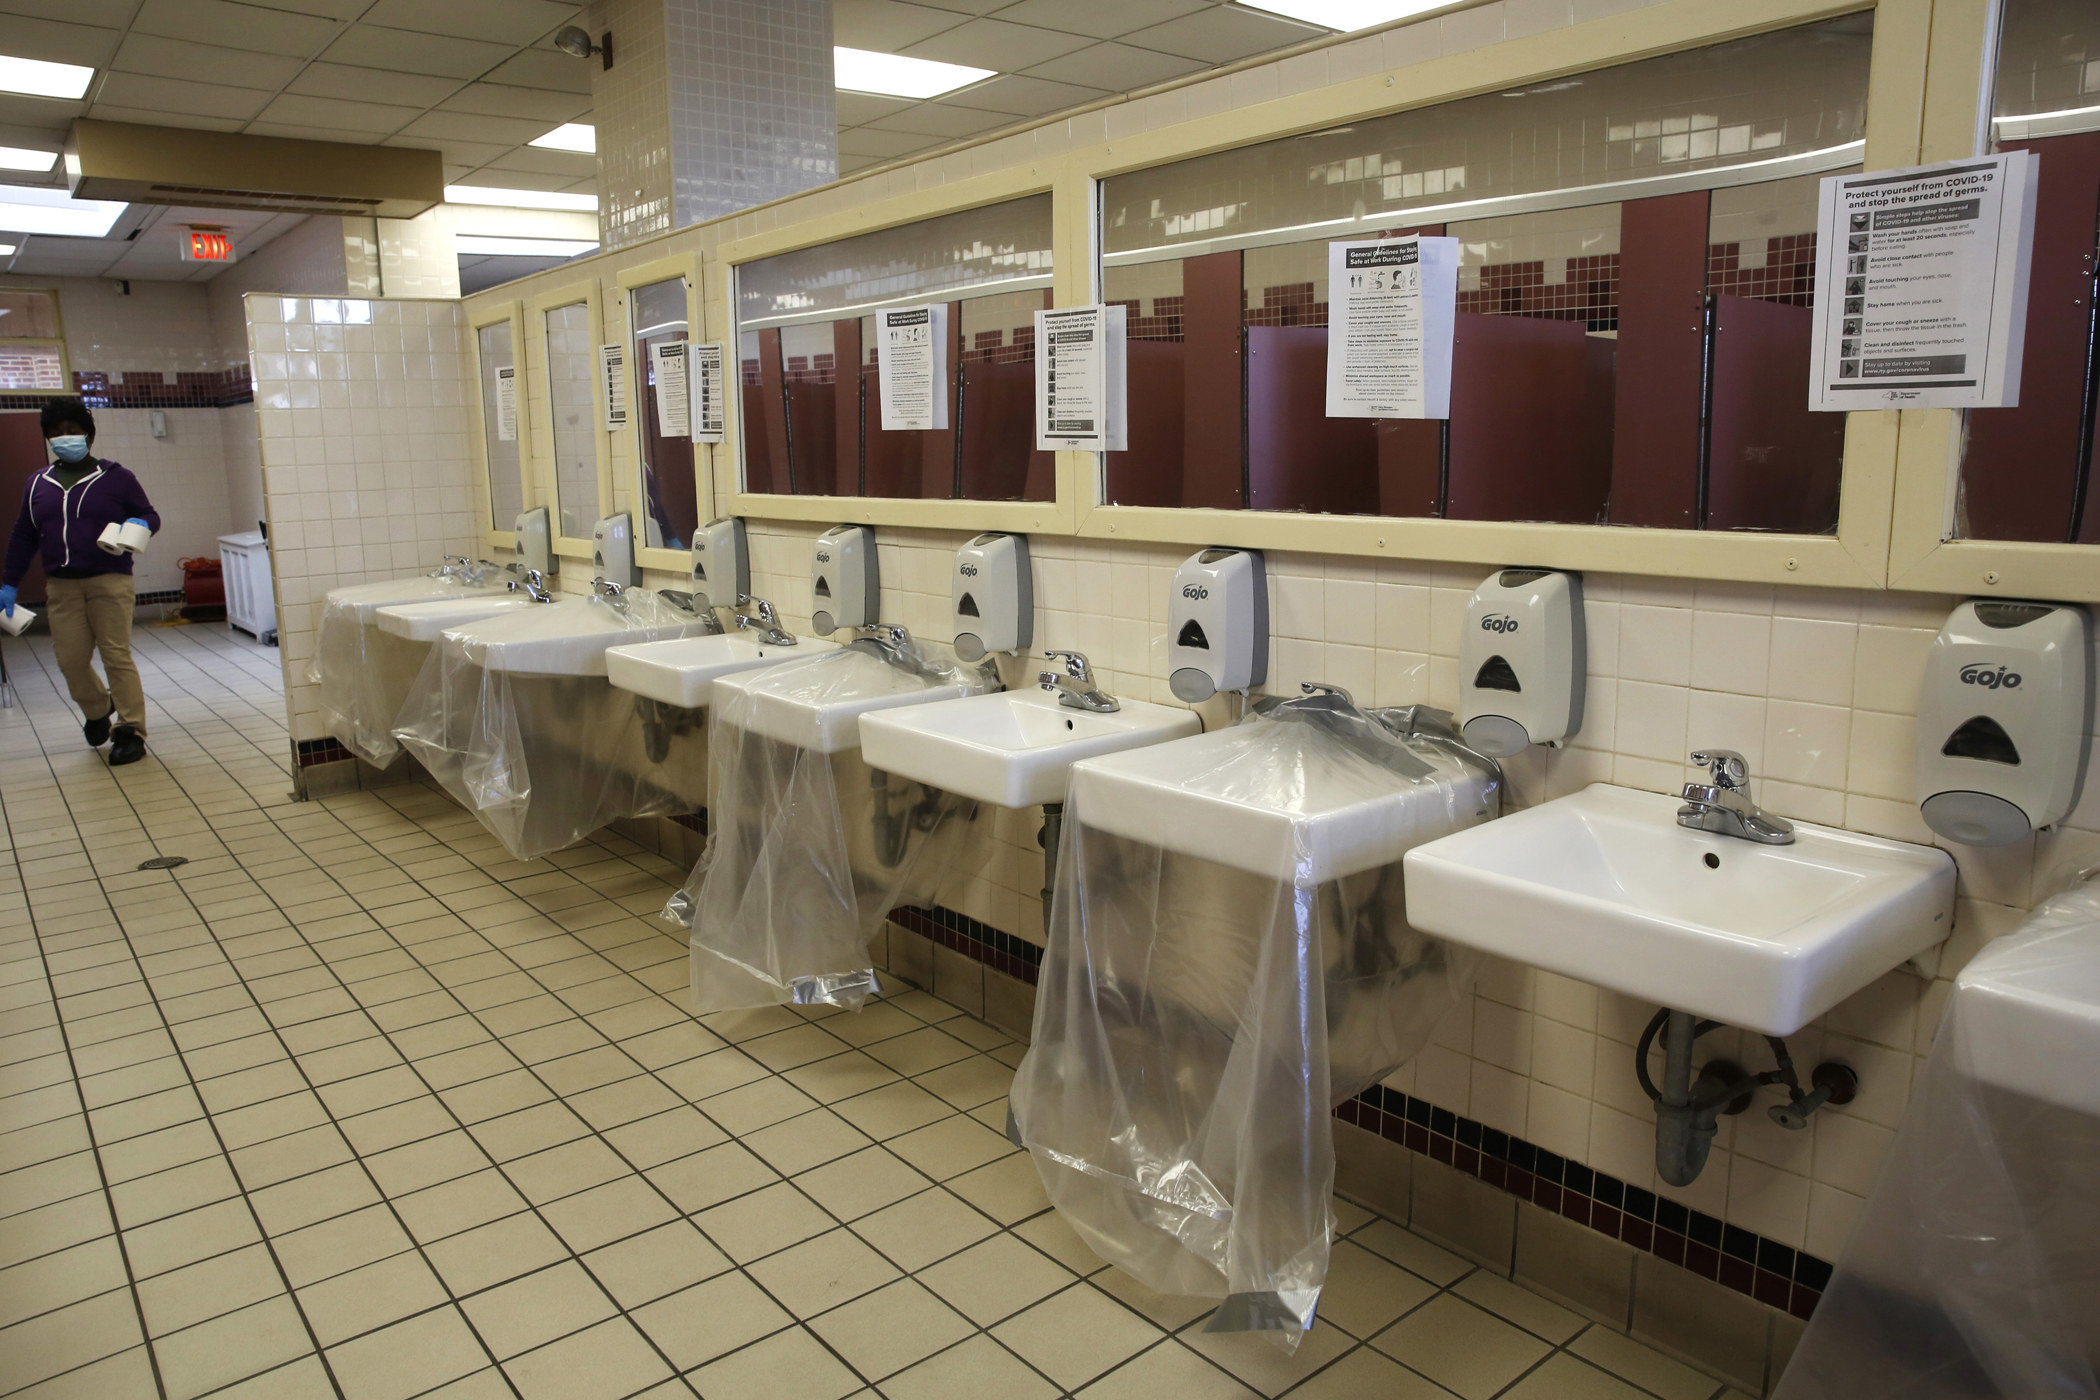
x: 612, y: 385
x: 704, y: 386
x: 1921, y: 285
x: 507, y: 403
x: 911, y: 354
x: 667, y: 374
x: 1081, y: 398
x: 1392, y: 305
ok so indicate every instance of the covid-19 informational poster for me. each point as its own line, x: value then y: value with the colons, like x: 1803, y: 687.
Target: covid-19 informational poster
x: 911, y: 354
x: 1392, y: 306
x: 1081, y: 403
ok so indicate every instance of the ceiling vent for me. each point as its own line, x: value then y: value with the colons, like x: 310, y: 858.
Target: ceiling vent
x: 220, y: 170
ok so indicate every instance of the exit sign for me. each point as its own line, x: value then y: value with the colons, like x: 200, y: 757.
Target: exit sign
x: 201, y: 246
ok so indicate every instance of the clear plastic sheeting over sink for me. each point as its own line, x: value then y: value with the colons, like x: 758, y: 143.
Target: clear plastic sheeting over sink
x: 364, y: 674
x: 1974, y: 1268
x: 1199, y: 1018
x: 808, y: 849
x: 514, y: 717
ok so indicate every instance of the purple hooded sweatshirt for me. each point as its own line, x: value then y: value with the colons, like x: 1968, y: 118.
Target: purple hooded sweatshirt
x: 64, y: 523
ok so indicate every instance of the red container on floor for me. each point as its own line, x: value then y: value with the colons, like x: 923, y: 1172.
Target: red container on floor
x: 203, y: 590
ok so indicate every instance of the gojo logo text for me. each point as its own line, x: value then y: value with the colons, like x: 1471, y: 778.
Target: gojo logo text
x: 1984, y: 674
x: 968, y: 570
x: 1498, y: 622
x: 1194, y: 590
x: 822, y: 557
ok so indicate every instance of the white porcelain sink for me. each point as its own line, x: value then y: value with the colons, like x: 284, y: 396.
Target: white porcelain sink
x: 570, y: 637
x: 820, y: 709
x: 1603, y: 885
x: 683, y: 671
x: 2029, y: 1011
x: 422, y: 622
x: 365, y: 599
x: 1313, y: 816
x: 1014, y: 748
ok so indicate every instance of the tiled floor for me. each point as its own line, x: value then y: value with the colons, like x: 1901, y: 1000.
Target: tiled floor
x: 352, y: 1105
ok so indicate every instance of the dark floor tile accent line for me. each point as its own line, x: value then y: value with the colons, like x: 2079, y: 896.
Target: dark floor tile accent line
x: 1002, y: 952
x: 1774, y: 1274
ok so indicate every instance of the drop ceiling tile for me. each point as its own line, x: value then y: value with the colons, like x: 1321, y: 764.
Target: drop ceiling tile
x: 512, y: 22
x: 1224, y: 34
x: 17, y: 110
x: 1025, y: 97
x: 468, y: 154
x: 995, y: 44
x: 161, y: 57
x: 172, y: 95
x: 107, y: 14
x: 1121, y: 66
x: 154, y: 116
x: 857, y: 107
x: 373, y: 85
x: 375, y: 46
x: 849, y: 164
x: 470, y: 126
x: 557, y: 167
x: 49, y: 136
x: 376, y: 118
x: 299, y: 131
x: 1101, y: 19
x: 939, y: 119
x: 887, y: 26
x: 549, y: 109
x: 883, y: 145
x: 235, y: 26
x: 545, y: 68
x: 56, y: 42
x: 326, y: 9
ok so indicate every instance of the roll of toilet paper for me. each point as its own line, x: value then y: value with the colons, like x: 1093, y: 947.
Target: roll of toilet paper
x: 123, y: 539
x: 15, y: 623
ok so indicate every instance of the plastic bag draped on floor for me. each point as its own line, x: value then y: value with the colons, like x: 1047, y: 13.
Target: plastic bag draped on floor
x: 364, y: 673
x: 545, y: 760
x: 1974, y: 1268
x: 807, y: 851
x: 1197, y: 1023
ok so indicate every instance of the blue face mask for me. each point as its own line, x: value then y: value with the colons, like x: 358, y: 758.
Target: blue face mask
x: 70, y: 448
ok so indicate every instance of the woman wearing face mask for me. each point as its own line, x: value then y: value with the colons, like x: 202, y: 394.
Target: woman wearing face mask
x: 88, y: 590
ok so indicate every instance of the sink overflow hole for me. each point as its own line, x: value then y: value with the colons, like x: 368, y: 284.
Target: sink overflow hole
x: 1713, y: 862
x: 1068, y: 724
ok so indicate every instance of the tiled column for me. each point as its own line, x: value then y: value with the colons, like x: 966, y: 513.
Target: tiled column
x: 710, y: 106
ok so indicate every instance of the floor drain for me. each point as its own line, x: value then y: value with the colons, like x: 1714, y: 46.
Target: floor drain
x: 163, y: 862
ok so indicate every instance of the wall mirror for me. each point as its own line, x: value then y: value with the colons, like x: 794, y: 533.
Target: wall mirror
x: 811, y: 421
x: 2027, y: 473
x: 572, y: 400
x: 1637, y: 249
x: 502, y: 416
x: 668, y: 500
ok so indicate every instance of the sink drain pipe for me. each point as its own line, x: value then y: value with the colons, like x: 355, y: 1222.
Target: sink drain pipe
x: 1688, y: 1109
x: 1047, y: 838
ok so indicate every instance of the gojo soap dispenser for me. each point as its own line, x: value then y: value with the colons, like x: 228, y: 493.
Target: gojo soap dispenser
x: 994, y: 596
x: 2002, y: 720
x: 721, y: 564
x: 1218, y: 624
x: 1522, y: 661
x: 612, y: 550
x: 845, y: 589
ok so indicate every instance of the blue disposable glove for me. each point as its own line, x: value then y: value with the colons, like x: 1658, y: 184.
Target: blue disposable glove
x: 138, y: 520
x: 7, y: 600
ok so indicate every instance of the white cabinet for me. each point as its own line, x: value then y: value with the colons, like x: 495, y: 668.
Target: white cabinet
x: 251, y: 604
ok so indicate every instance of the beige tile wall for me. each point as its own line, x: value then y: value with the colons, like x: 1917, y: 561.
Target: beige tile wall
x: 361, y: 408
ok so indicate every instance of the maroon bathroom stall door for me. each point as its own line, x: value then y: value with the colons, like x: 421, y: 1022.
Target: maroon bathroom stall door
x: 2020, y: 470
x: 1213, y: 385
x: 999, y: 460
x: 1150, y: 472
x: 21, y: 457
x: 1662, y: 289
x: 1410, y: 465
x: 1770, y: 463
x: 1297, y: 457
x: 812, y: 423
x: 1525, y: 443
x: 765, y: 422
x: 846, y: 407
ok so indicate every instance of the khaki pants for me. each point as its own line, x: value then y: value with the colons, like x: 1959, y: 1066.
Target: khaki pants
x: 93, y: 614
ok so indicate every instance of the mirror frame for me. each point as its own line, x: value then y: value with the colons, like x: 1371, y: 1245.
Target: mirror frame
x: 587, y: 292
x: 1072, y: 256
x: 628, y: 460
x: 512, y: 313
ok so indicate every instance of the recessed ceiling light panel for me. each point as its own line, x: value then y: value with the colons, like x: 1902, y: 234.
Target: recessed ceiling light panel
x: 21, y: 158
x: 569, y: 136
x: 1345, y: 15
x: 520, y: 199
x: 27, y: 209
x: 893, y: 75
x: 522, y: 247
x: 7, y: 250
x: 34, y: 77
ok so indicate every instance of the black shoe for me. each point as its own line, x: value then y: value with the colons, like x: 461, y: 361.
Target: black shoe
x: 97, y: 731
x: 127, y: 745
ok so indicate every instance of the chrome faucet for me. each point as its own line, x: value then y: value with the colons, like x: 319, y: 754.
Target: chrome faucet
x: 455, y: 565
x: 536, y: 586
x: 766, y: 618
x: 1722, y: 805
x: 614, y: 595
x: 1076, y: 689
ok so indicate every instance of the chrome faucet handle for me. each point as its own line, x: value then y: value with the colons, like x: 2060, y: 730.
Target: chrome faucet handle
x: 606, y: 588
x: 1076, y: 664
x: 1727, y: 768
x: 536, y: 585
x: 1322, y: 688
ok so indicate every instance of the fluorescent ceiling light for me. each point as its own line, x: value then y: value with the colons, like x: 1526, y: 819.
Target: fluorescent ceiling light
x: 520, y: 199
x: 521, y: 247
x: 569, y: 136
x: 24, y: 209
x: 2047, y: 116
x: 1346, y: 15
x: 21, y: 158
x: 7, y: 250
x: 33, y: 77
x: 893, y: 75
